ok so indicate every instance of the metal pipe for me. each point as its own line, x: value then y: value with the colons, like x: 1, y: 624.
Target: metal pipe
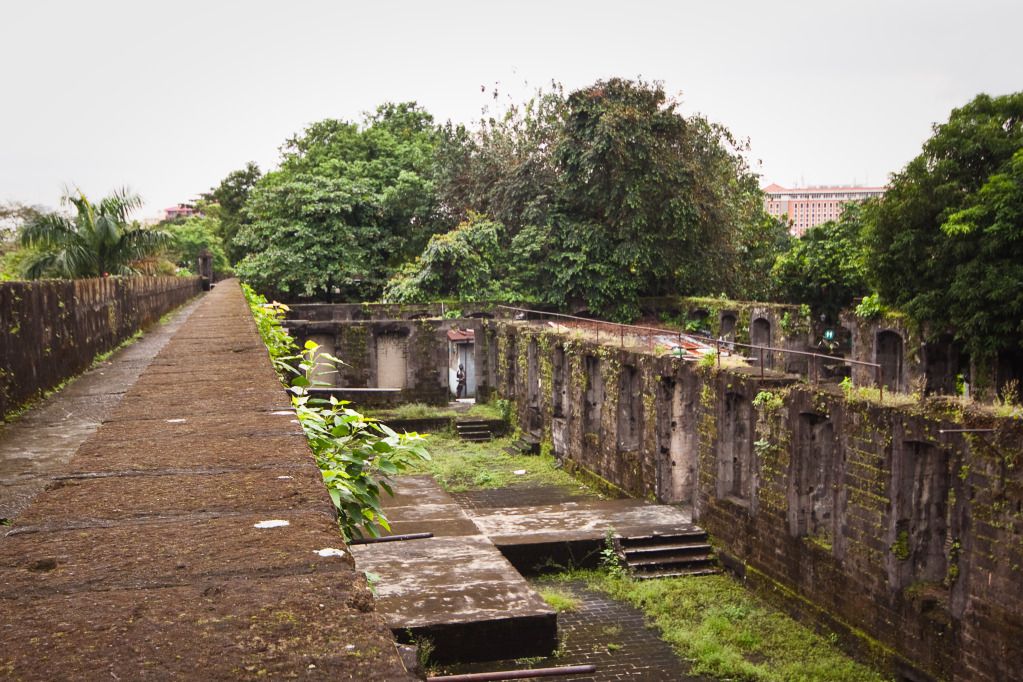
x: 966, y: 430
x: 706, y: 339
x: 391, y: 538
x: 516, y: 674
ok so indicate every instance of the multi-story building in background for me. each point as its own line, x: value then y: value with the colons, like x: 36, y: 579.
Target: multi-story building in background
x: 806, y: 207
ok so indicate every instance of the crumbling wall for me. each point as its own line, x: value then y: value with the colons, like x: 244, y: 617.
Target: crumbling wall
x: 52, y: 329
x: 888, y: 525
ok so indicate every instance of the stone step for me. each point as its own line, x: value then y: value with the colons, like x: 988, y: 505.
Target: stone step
x: 671, y: 560
x: 681, y: 537
x: 667, y: 549
x: 675, y: 573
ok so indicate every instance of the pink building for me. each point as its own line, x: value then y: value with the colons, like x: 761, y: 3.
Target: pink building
x: 806, y: 207
x: 179, y: 211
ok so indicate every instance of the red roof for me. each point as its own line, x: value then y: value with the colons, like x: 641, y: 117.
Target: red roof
x: 461, y: 335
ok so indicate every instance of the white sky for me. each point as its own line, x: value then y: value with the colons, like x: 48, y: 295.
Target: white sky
x: 169, y: 97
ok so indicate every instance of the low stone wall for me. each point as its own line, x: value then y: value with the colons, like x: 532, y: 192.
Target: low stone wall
x: 52, y: 329
x: 888, y: 525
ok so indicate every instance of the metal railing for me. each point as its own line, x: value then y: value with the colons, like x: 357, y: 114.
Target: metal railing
x: 718, y: 344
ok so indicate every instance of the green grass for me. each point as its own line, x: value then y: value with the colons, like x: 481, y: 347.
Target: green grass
x: 424, y: 411
x: 560, y: 600
x: 460, y: 465
x: 727, y: 632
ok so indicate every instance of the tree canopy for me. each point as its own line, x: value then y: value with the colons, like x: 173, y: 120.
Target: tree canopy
x: 349, y: 204
x: 610, y: 194
x: 230, y: 197
x: 945, y: 241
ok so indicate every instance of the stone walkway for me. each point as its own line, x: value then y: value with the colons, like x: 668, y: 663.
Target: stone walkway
x: 39, y: 444
x: 190, y: 536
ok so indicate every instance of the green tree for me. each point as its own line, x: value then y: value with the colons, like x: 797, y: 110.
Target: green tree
x: 986, y: 289
x: 650, y: 202
x: 935, y: 228
x: 463, y: 264
x: 230, y: 196
x: 505, y: 166
x: 193, y: 235
x: 347, y: 207
x: 826, y: 267
x: 98, y: 240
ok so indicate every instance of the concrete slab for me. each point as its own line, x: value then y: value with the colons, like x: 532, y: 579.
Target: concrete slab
x: 583, y: 520
x: 455, y: 588
x: 462, y: 594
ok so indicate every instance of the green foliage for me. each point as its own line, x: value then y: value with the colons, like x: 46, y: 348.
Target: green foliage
x: 946, y: 242
x: 900, y: 548
x: 870, y: 307
x: 826, y: 267
x: 610, y: 561
x: 269, y: 320
x: 348, y: 205
x: 610, y: 194
x: 98, y: 240
x: 229, y: 199
x: 191, y: 236
x: 357, y: 455
x: 768, y: 401
x: 462, y: 263
x: 560, y: 600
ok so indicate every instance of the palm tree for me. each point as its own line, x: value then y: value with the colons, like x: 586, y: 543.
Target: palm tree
x: 97, y: 241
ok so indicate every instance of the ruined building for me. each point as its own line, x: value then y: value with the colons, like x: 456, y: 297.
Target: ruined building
x: 894, y: 521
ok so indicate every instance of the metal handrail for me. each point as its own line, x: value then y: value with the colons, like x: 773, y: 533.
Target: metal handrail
x: 717, y: 343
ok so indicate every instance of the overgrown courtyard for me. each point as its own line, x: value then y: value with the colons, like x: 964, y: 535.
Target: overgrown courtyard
x: 716, y: 628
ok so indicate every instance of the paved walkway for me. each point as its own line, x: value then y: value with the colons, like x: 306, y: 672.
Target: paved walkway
x: 40, y: 444
x: 190, y: 536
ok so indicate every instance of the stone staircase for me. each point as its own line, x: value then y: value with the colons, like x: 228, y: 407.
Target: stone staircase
x: 667, y: 555
x: 523, y: 446
x: 476, y: 430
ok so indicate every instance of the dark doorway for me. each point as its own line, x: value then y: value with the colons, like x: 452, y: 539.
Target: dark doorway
x: 888, y: 353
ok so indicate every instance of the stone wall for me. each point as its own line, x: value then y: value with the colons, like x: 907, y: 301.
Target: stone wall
x: 399, y: 353
x: 879, y: 522
x: 52, y: 329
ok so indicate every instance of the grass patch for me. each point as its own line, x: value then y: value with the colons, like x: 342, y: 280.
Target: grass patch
x: 727, y: 632
x: 560, y: 600
x: 460, y: 466
x: 424, y: 411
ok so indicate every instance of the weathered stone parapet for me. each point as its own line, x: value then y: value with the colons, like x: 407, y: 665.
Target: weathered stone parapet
x: 52, y: 329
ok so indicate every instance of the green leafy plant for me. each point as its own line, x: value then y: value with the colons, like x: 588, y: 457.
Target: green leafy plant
x: 610, y: 561
x: 870, y: 307
x: 768, y: 401
x: 707, y: 360
x: 357, y: 455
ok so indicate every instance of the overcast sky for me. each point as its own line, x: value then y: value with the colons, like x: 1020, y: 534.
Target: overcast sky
x: 169, y: 97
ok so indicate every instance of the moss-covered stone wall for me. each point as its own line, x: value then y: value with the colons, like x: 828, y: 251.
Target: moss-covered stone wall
x: 884, y: 522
